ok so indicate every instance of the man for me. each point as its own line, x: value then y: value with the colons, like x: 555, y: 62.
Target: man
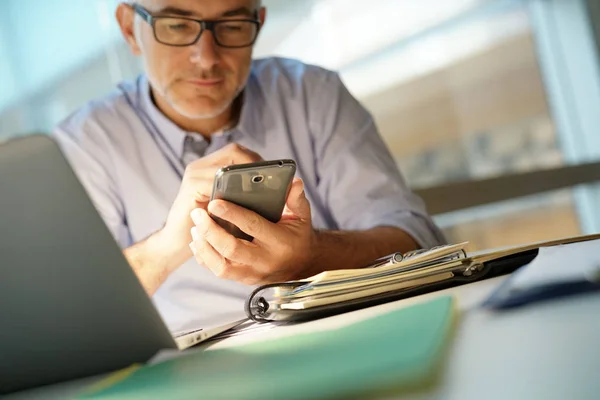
x: 148, y: 153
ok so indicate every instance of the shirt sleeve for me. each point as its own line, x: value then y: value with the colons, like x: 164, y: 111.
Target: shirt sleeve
x: 358, y: 178
x: 89, y: 157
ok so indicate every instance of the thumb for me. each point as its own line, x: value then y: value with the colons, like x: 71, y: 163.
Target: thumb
x: 297, y: 204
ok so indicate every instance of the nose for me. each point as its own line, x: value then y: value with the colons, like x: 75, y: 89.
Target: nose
x: 204, y: 52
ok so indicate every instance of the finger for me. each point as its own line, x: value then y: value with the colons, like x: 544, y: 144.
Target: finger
x: 192, y: 245
x: 233, y: 249
x: 211, y: 259
x: 199, y: 189
x: 220, y: 266
x: 247, y: 221
x: 195, y: 236
x: 232, y: 270
x: 297, y: 204
x: 206, y: 167
x: 231, y: 154
x: 207, y: 255
x: 199, y: 170
x: 243, y: 154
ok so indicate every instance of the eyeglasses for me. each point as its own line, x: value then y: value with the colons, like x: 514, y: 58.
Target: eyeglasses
x: 183, y: 31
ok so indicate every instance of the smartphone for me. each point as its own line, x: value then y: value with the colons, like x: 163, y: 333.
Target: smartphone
x: 261, y: 187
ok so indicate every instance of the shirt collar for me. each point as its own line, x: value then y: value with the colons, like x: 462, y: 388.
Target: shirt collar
x: 175, y: 136
x: 167, y: 129
x: 252, y: 115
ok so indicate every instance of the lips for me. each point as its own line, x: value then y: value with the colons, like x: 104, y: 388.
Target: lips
x: 206, y: 82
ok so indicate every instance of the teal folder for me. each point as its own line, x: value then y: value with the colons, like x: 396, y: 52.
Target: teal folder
x: 399, y: 349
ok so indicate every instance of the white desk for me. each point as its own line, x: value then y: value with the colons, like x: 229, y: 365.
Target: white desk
x: 547, y: 351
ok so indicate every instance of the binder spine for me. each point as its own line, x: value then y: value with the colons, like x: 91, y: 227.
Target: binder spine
x: 257, y: 306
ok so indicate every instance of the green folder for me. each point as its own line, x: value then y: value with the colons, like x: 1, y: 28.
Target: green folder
x: 399, y: 349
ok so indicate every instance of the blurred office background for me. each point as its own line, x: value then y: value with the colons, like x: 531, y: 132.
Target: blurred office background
x: 460, y: 89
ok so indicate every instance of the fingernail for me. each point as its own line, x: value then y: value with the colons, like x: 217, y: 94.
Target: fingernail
x: 193, y: 248
x: 197, y: 215
x: 216, y: 207
x: 195, y: 235
x: 301, y: 185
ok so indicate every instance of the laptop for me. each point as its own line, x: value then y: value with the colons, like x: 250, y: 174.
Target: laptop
x: 70, y: 304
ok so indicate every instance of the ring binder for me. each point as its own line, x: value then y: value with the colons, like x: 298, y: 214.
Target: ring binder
x: 256, y: 305
x: 389, y: 278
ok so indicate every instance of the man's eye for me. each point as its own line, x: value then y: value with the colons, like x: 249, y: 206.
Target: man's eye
x: 179, y: 27
x: 232, y: 27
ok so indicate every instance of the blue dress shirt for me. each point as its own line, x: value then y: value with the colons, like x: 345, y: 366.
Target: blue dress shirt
x: 130, y: 158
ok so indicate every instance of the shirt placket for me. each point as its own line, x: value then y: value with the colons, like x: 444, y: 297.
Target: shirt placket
x: 193, y: 149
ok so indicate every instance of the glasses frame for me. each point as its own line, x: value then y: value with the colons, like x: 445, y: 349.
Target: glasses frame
x: 205, y: 25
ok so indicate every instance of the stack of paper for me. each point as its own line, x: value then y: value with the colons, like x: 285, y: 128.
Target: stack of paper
x: 394, y: 272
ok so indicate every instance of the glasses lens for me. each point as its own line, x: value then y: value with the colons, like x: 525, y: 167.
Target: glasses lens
x: 176, y: 31
x: 235, y: 33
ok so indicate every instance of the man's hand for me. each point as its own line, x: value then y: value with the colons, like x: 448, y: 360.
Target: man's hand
x: 196, y: 188
x: 156, y: 257
x: 279, y: 252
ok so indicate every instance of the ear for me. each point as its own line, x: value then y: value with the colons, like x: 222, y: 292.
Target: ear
x: 262, y: 16
x: 126, y: 20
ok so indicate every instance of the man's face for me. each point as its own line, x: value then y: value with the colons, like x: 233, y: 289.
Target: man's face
x: 203, y: 79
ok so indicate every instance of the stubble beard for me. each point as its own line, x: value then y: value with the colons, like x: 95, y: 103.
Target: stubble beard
x: 167, y: 94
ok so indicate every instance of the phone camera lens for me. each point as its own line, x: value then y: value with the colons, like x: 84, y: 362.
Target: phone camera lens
x: 258, y: 179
